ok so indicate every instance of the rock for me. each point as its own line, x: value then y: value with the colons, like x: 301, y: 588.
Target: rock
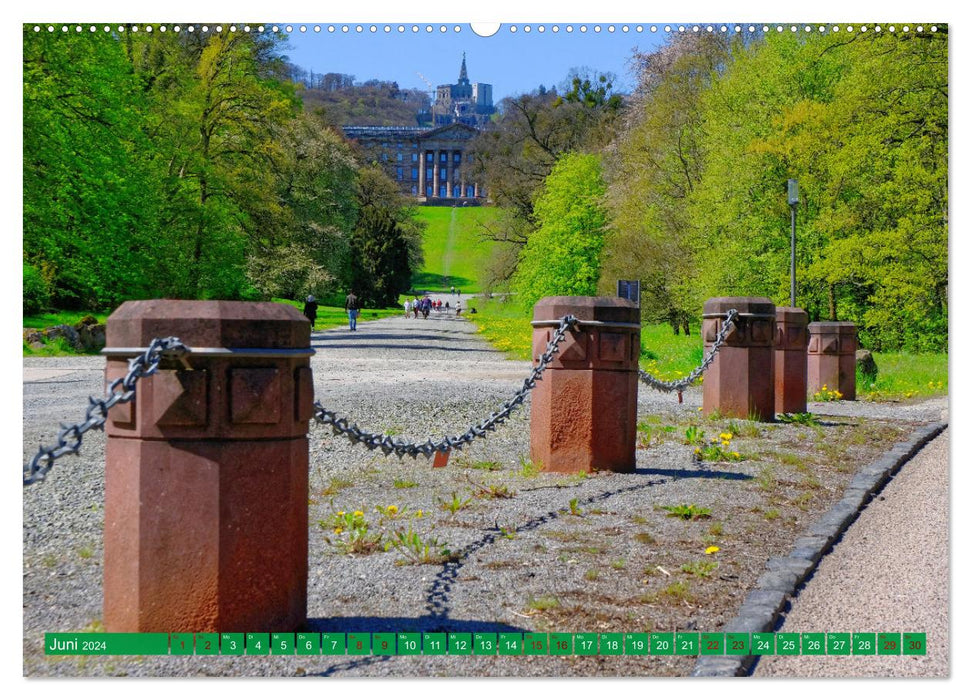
x: 72, y: 337
x: 91, y: 335
x: 865, y: 364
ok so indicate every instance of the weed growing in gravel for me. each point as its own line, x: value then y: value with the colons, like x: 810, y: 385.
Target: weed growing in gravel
x: 391, y: 512
x: 747, y: 428
x: 718, y: 450
x: 687, y: 512
x: 455, y: 505
x: 766, y: 479
x: 716, y: 529
x: 463, y: 462
x: 405, y: 484
x: 677, y: 592
x: 336, y: 484
x: 645, y: 538
x: 639, y: 519
x: 490, y: 490
x: 574, y: 508
x: 826, y: 394
x: 771, y: 514
x: 528, y: 468
x: 591, y: 575
x: 798, y: 419
x: 546, y: 602
x: 85, y: 553
x: 619, y: 564
x: 700, y: 568
x: 803, y: 500
x: 649, y: 434
x: 350, y: 533
x: 418, y: 550
x: 694, y: 435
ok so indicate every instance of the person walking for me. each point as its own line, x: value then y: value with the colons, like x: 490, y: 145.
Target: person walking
x: 352, y: 309
x: 407, y: 308
x: 310, y: 310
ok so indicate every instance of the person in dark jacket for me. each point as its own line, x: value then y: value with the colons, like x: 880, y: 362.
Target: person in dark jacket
x: 310, y: 310
x: 352, y: 308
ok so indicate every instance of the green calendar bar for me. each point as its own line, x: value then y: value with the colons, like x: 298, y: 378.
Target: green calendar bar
x: 308, y: 644
x: 257, y: 644
x: 838, y: 643
x: 585, y: 644
x: 485, y: 643
x: 232, y: 643
x: 888, y: 644
x: 763, y: 643
x: 182, y: 644
x: 358, y: 644
x: 864, y: 644
x: 409, y: 644
x: 488, y: 644
x: 207, y: 644
x: 737, y: 643
x: 813, y: 643
x: 662, y: 643
x: 510, y: 643
x: 536, y: 644
x: 384, y: 644
x: 459, y: 644
x: 686, y: 643
x: 787, y: 644
x: 637, y: 644
x: 105, y: 643
x: 333, y: 644
x: 915, y: 644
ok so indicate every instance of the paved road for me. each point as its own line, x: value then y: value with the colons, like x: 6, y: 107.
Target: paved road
x: 889, y: 573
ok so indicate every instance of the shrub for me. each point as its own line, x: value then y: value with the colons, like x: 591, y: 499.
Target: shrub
x: 37, y: 293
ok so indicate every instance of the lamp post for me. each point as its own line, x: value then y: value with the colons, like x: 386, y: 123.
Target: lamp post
x: 793, y: 203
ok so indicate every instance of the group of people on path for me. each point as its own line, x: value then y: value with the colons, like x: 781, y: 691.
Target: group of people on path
x: 425, y: 305
x: 351, y: 306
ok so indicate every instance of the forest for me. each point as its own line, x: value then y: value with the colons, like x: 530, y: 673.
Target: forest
x: 682, y: 184
x: 185, y: 166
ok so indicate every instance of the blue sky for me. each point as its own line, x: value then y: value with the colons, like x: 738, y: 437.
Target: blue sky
x: 512, y: 62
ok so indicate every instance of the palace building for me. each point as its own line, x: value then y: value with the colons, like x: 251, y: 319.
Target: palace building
x: 432, y: 165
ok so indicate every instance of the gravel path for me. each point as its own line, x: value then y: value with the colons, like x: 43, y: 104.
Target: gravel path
x: 889, y: 573
x: 611, y: 561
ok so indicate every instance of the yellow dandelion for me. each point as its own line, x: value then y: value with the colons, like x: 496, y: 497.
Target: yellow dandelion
x: 420, y: 514
x: 726, y: 436
x: 358, y: 513
x: 725, y: 443
x: 712, y: 549
x: 392, y: 510
x: 340, y: 514
x: 338, y: 530
x: 697, y: 450
x: 736, y: 455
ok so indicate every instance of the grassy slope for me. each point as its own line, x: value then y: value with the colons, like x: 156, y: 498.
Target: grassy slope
x: 453, y: 248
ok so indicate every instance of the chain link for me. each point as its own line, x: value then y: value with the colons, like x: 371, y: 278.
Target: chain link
x: 400, y: 448
x: 121, y: 390
x: 680, y: 385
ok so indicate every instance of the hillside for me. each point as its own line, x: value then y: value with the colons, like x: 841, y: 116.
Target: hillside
x: 455, y: 251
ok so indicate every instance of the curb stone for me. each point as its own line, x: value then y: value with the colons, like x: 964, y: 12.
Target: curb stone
x: 761, y: 608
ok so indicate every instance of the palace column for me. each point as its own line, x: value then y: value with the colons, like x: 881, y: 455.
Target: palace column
x: 435, y: 172
x: 449, y: 174
x: 421, y: 172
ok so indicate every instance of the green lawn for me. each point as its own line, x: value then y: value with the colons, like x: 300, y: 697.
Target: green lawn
x: 58, y: 318
x: 455, y: 251
x: 668, y: 356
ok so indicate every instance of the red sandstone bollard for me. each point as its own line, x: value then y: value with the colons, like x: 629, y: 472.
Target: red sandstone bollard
x: 832, y: 358
x: 740, y: 382
x: 584, y: 408
x: 206, y: 474
x: 791, y: 340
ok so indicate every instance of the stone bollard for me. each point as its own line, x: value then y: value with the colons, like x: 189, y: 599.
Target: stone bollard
x: 791, y: 341
x: 584, y: 408
x: 832, y: 358
x: 206, y: 471
x: 740, y: 382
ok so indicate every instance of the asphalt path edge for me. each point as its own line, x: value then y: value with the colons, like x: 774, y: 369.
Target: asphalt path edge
x: 783, y: 575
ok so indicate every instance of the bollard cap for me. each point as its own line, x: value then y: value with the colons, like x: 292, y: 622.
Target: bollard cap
x: 754, y: 306
x: 791, y: 315
x: 227, y: 324
x: 833, y: 327
x: 605, y: 309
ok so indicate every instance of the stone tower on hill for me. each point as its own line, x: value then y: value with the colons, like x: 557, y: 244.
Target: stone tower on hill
x: 463, y: 102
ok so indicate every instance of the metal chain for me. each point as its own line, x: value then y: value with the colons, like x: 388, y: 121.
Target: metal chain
x: 387, y: 445
x: 680, y: 385
x: 121, y: 390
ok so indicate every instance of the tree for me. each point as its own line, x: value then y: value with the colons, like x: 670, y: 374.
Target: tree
x: 657, y: 161
x: 563, y: 256
x: 386, y: 240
